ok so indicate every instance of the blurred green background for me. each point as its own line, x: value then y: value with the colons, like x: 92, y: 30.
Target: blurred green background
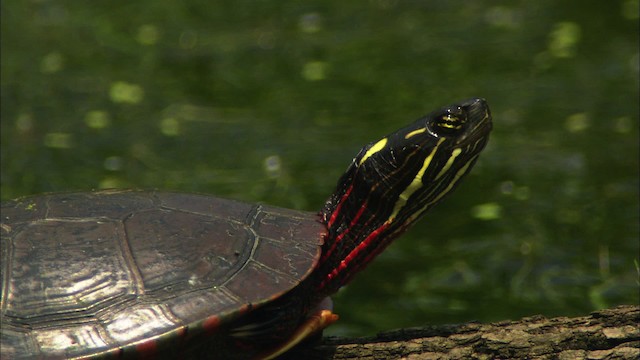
x: 268, y: 101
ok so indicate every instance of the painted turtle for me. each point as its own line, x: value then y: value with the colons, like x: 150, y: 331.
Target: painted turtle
x: 126, y: 274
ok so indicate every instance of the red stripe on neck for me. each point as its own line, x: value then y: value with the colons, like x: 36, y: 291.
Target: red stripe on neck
x: 335, y: 212
x: 339, y: 238
x: 344, y: 264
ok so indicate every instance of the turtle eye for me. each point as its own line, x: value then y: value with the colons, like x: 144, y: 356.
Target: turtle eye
x: 450, y: 122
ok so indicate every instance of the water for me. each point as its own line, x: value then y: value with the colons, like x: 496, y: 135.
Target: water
x: 269, y: 101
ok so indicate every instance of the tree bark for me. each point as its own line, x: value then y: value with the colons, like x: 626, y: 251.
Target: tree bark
x: 606, y: 334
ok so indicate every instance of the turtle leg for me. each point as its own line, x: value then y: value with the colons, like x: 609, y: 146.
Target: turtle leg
x: 315, y: 323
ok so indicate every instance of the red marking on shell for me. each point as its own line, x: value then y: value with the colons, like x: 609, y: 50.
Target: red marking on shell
x: 211, y: 323
x: 149, y: 348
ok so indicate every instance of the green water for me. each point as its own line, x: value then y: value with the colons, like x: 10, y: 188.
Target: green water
x: 269, y: 100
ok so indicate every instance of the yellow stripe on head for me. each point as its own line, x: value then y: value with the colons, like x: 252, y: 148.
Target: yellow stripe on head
x: 415, y: 132
x: 452, y: 158
x: 374, y: 149
x: 416, y: 184
x: 444, y: 192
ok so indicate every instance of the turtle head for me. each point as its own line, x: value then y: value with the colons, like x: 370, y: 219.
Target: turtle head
x: 391, y: 183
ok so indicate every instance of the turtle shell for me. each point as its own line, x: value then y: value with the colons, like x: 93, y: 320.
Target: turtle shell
x: 120, y: 273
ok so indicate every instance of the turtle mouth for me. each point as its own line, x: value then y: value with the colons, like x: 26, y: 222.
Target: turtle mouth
x: 479, y: 113
x: 479, y: 121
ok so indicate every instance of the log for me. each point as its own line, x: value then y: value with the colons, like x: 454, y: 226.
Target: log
x: 605, y: 334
